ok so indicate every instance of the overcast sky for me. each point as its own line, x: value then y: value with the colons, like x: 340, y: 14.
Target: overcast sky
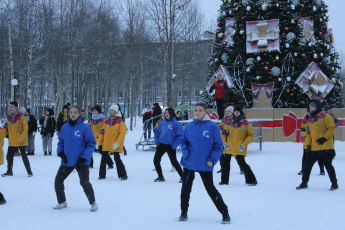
x: 336, y: 12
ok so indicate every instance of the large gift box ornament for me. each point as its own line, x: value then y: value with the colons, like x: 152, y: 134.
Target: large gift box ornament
x: 262, y: 95
x: 262, y: 36
x: 314, y: 82
x: 307, y: 28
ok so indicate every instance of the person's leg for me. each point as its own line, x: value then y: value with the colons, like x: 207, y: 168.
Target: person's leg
x: 225, y: 169
x: 145, y: 129
x: 121, y: 170
x: 187, y: 183
x: 304, y: 158
x: 44, y: 143
x: 91, y: 162
x: 102, y: 166
x: 157, y: 159
x: 25, y: 159
x: 207, y: 179
x: 241, y: 169
x: 221, y: 163
x: 327, y: 158
x: 49, y: 143
x: 173, y: 160
x: 248, y: 173
x: 149, y: 129
x: 83, y: 172
x: 9, y: 158
x: 2, y: 199
x: 309, y: 163
x: 61, y: 176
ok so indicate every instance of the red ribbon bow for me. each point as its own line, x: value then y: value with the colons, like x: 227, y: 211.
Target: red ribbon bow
x: 291, y: 124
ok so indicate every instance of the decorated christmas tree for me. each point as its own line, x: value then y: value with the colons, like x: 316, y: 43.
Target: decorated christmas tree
x: 280, y: 51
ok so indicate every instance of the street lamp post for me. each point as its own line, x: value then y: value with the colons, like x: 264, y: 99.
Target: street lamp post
x: 14, y: 82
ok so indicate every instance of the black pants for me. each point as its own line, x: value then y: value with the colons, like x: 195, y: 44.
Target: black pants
x: 161, y: 149
x: 110, y: 162
x: 63, y: 173
x: 10, y: 154
x: 121, y: 170
x: 207, y: 179
x: 247, y: 171
x: 147, y: 129
x: 319, y: 161
x: 226, y: 165
x: 2, y: 198
x: 220, y: 108
x: 313, y: 156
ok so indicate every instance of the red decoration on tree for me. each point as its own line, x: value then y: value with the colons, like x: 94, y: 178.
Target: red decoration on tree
x: 320, y: 34
x: 288, y: 91
x: 242, y: 18
x: 327, y: 68
x: 266, y: 69
x: 302, y: 6
x: 304, y: 56
x: 218, y: 24
x: 226, y: 47
x: 286, y: 29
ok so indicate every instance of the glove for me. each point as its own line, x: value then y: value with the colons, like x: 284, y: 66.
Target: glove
x: 97, y: 146
x: 34, y: 133
x: 116, y: 145
x: 242, y: 148
x: 226, y: 146
x: 63, y: 157
x: 81, y: 162
x: 321, y: 140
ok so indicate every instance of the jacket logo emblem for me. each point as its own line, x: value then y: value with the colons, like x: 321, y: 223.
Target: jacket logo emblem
x: 207, y: 134
x: 77, y: 133
x: 170, y: 126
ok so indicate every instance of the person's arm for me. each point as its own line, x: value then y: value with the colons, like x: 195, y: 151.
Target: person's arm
x: 121, y: 137
x: 5, y: 129
x: 212, y: 88
x: 90, y: 143
x: 303, y: 130
x: 24, y: 133
x: 34, y: 124
x: 223, y: 132
x: 185, y: 144
x: 158, y: 133
x: 329, y: 126
x: 179, y: 135
x: 250, y: 135
x: 101, y: 135
x: 61, y: 143
x: 217, y: 148
x: 226, y: 87
x: 336, y: 121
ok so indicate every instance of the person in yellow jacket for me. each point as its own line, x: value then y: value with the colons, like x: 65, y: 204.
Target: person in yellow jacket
x: 319, y: 141
x: 96, y: 123
x: 303, y: 129
x: 2, y: 198
x: 112, y: 138
x: 16, y: 127
x: 237, y: 134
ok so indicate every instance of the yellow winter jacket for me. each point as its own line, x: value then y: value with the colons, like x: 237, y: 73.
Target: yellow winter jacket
x: 2, y: 136
x: 235, y: 134
x: 113, y: 130
x: 96, y: 126
x: 320, y: 126
x: 303, y: 129
x: 16, y: 127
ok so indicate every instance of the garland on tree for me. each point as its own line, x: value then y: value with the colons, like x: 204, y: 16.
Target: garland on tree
x: 274, y: 42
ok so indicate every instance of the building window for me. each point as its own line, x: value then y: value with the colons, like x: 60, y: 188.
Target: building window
x: 120, y: 94
x: 196, y: 93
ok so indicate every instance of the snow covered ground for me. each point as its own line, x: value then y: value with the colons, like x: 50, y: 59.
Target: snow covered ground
x: 139, y: 203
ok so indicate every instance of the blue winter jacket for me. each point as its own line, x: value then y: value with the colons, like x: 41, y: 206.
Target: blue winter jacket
x: 169, y: 133
x: 201, y: 142
x: 76, y: 142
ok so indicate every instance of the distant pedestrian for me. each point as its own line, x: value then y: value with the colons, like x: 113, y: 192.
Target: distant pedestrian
x: 146, y: 113
x: 221, y: 89
x: 47, y: 131
x: 32, y: 124
x: 62, y: 118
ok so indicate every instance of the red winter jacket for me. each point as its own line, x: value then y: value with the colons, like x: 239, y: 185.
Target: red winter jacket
x: 221, y: 89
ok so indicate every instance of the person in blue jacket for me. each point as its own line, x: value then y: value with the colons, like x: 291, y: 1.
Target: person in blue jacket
x: 168, y: 136
x: 75, y: 147
x: 201, y: 147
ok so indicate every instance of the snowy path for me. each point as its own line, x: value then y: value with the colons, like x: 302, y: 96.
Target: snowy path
x: 139, y: 203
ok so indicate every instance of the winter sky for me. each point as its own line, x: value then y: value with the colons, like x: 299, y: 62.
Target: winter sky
x: 336, y: 18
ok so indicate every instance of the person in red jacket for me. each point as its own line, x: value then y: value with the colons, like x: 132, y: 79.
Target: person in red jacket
x: 221, y: 88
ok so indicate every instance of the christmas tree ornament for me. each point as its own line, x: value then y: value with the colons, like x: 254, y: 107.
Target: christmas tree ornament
x: 290, y: 36
x: 293, y: 21
x: 327, y: 68
x: 288, y: 78
x: 295, y: 54
x: 241, y: 31
x: 315, y: 55
x: 229, y: 1
x: 302, y: 6
x: 264, y: 7
x: 320, y: 34
x: 218, y: 24
x: 258, y: 77
x: 322, y: 9
x: 230, y: 11
x: 258, y: 58
x: 216, y: 60
x: 262, y: 36
x: 286, y: 29
x: 279, y: 79
x: 314, y: 82
x: 248, y: 70
x: 266, y: 69
x: 304, y: 56
x: 225, y: 58
x: 277, y: 58
x: 321, y: 54
x: 220, y: 35
x: 214, y: 48
x: 248, y: 8
x: 333, y: 80
x: 293, y: 7
x: 321, y: 20
x: 226, y: 47
x: 277, y: 4
x: 236, y: 8
x: 314, y: 8
x: 275, y: 71
x: 288, y: 91
x: 287, y: 45
x: 335, y: 61
x: 224, y: 1
x: 250, y: 61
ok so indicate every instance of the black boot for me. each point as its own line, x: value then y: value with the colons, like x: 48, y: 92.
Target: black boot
x: 159, y: 179
x: 50, y: 153
x: 45, y: 153
x: 334, y: 186
x: 7, y: 174
x: 303, y: 185
x: 33, y: 153
x: 184, y: 216
x: 226, y: 218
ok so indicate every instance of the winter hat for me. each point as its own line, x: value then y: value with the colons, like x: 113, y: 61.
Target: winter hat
x: 327, y: 107
x: 230, y: 108
x: 98, y: 108
x: 116, y: 109
x: 317, y: 104
x: 22, y: 110
x: 238, y: 108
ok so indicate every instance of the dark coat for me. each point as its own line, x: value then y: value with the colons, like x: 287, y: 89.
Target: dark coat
x: 32, y: 123
x: 50, y: 128
x: 60, y: 122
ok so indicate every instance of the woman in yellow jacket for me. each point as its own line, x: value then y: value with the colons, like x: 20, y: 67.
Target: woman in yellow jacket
x: 16, y: 127
x: 237, y: 135
x: 112, y: 138
x: 96, y: 123
x: 319, y: 143
x: 2, y: 199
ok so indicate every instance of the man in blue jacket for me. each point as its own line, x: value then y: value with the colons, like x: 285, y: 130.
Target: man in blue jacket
x: 168, y: 136
x: 201, y: 147
x: 75, y: 147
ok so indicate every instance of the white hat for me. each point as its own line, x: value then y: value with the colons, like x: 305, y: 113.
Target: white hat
x: 22, y: 110
x: 116, y: 109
